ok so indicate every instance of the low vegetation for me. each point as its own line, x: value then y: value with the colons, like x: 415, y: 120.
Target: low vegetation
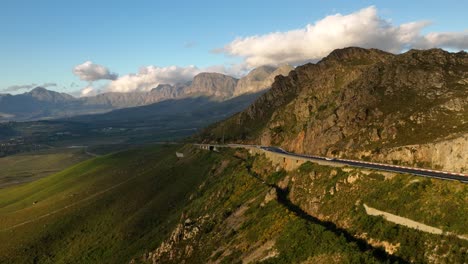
x: 107, y: 209
x: 31, y: 166
x: 148, y: 205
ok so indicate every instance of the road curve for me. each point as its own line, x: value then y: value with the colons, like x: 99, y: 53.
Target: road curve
x: 364, y: 164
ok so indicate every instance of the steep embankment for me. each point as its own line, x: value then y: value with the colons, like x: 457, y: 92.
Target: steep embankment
x: 251, y: 210
x: 361, y: 103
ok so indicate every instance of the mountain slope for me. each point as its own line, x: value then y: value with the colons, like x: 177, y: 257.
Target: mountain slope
x: 103, y: 210
x: 41, y: 103
x: 37, y: 103
x: 358, y: 102
x: 165, y: 120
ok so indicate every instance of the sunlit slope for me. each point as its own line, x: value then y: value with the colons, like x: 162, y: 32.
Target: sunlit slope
x: 28, y: 167
x: 102, y: 210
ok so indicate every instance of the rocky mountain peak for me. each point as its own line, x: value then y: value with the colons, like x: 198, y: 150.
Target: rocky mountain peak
x: 260, y: 78
x: 39, y: 90
x: 433, y: 57
x: 357, y: 55
x: 43, y: 94
x: 211, y: 76
x: 213, y: 84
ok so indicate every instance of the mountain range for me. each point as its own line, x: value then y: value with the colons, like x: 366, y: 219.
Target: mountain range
x: 41, y: 103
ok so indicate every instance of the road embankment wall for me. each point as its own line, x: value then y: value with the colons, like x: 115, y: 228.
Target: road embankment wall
x: 288, y: 162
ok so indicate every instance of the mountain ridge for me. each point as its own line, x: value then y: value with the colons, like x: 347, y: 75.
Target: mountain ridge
x: 360, y: 103
x: 43, y: 103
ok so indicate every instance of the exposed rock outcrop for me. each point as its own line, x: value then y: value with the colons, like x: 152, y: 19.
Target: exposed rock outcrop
x: 449, y: 155
x: 186, y: 230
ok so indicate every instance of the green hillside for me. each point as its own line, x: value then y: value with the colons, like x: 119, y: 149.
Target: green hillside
x: 148, y: 206
x: 30, y: 166
x: 256, y: 212
x: 105, y: 209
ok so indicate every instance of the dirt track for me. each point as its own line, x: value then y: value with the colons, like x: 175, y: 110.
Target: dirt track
x: 407, y: 222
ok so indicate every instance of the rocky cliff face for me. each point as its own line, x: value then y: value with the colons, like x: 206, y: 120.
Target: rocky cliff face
x: 448, y: 154
x: 357, y: 100
x: 120, y: 100
x: 214, y: 84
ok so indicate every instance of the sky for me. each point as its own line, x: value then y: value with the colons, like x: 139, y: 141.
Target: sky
x: 86, y: 47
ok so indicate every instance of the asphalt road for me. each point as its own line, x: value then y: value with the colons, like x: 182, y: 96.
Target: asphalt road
x: 377, y: 166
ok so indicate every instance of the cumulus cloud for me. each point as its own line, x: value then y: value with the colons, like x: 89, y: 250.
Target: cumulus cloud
x: 149, y: 77
x: 88, y: 91
x: 15, y: 88
x: 235, y: 70
x: 363, y: 28
x: 89, y: 71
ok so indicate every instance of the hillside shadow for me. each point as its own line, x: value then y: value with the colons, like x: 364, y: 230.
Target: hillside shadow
x: 364, y: 246
x: 378, y: 253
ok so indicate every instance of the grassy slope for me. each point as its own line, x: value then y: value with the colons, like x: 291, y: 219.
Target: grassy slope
x: 110, y: 227
x: 124, y: 205
x: 31, y: 166
x: 318, y: 217
x: 234, y: 224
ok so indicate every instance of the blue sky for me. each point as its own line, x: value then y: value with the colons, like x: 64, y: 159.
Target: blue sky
x: 43, y: 41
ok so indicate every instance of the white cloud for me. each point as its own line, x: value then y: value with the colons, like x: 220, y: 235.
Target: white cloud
x: 149, y: 77
x: 234, y: 70
x: 88, y: 91
x: 363, y: 28
x: 15, y: 88
x: 453, y: 40
x: 88, y: 71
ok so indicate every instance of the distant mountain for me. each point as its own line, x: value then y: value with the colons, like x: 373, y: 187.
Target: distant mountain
x: 186, y: 113
x: 212, y: 84
x: 38, y: 103
x: 260, y: 78
x: 41, y: 103
x: 45, y: 95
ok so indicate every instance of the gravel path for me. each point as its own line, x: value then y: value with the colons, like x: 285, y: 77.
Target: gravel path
x: 408, y: 222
